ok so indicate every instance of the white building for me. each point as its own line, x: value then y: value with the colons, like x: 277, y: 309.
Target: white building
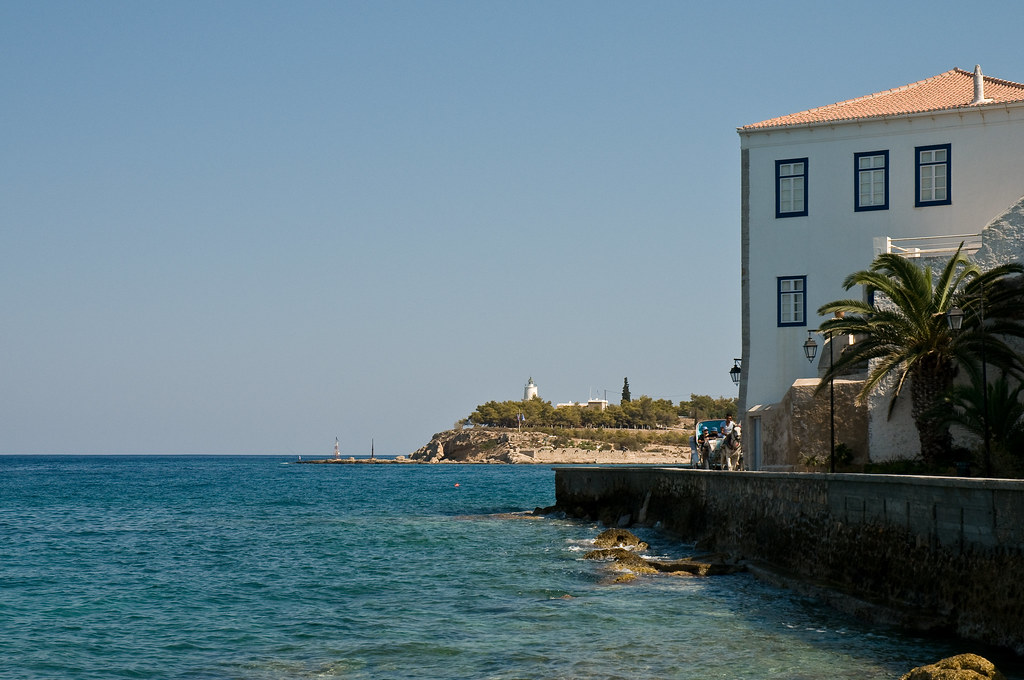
x: 530, y: 391
x: 824, y: 189
x: 592, y: 404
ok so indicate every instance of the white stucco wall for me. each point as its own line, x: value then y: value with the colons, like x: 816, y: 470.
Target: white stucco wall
x: 833, y: 240
x: 891, y: 437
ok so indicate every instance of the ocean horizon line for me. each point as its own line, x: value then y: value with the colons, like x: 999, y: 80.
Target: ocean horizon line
x: 313, y: 456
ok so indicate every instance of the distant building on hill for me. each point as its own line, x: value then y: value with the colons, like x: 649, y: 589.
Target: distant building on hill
x: 592, y: 404
x: 530, y: 391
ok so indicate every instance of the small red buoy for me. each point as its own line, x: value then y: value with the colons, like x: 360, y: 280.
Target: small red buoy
x: 456, y: 483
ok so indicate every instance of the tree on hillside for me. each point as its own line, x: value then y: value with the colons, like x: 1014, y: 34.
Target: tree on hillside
x: 909, y: 336
x: 537, y: 412
x: 648, y: 412
x: 665, y: 413
x: 701, y: 406
x: 567, y: 416
x: 498, y: 414
x: 625, y: 390
x: 644, y: 412
x: 595, y: 417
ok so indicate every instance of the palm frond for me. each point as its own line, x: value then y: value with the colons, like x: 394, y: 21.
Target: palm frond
x: 906, y: 334
x: 849, y: 306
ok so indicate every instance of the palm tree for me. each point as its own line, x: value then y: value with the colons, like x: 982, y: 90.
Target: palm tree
x: 1005, y: 422
x: 908, y: 336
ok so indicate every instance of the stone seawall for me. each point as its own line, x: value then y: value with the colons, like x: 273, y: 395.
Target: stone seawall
x: 933, y: 553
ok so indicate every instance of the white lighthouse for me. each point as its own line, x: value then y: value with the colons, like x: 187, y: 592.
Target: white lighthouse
x: 530, y: 392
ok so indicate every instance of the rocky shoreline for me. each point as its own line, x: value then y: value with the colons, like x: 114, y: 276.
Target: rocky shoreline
x: 622, y: 550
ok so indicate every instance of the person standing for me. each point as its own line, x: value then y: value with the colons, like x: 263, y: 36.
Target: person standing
x: 727, y: 450
x: 729, y: 425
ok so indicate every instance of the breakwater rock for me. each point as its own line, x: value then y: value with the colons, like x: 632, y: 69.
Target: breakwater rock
x: 507, y: 445
x: 352, y: 460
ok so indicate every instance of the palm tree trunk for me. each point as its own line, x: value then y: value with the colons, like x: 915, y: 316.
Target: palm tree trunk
x: 929, y: 385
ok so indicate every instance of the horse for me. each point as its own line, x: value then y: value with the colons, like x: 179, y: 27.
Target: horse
x: 731, y: 451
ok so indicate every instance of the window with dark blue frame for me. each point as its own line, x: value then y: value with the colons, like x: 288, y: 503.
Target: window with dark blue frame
x: 932, y: 177
x: 791, y: 187
x: 871, y: 180
x: 792, y: 300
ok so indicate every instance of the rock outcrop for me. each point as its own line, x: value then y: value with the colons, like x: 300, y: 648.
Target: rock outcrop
x: 622, y: 548
x: 619, y: 538
x: 959, y: 667
x: 623, y: 559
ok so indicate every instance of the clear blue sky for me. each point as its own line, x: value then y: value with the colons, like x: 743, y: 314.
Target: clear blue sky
x: 247, y: 227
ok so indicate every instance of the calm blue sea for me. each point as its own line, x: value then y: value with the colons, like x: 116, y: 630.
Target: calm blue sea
x: 255, y: 568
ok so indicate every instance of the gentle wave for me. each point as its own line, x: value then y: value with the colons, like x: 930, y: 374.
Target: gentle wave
x: 244, y: 568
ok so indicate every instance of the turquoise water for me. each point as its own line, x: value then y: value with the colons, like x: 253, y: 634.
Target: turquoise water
x: 253, y: 568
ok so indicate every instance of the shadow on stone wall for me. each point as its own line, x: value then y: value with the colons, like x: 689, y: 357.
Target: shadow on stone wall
x: 795, y: 431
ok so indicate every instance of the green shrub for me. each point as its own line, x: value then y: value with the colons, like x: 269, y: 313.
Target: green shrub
x: 844, y: 454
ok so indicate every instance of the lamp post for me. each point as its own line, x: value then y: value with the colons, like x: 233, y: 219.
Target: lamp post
x: 810, y: 350
x: 735, y: 371
x: 955, y: 319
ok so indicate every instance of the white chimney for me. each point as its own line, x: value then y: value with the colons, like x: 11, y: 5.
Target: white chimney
x: 979, y: 87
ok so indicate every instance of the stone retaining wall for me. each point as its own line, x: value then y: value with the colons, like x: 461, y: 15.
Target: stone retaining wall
x: 941, y: 553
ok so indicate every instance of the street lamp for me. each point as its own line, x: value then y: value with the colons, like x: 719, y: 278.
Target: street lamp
x: 810, y: 350
x: 955, y: 318
x: 810, y: 347
x: 735, y: 371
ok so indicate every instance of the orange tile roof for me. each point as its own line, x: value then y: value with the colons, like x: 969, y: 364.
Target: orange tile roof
x: 950, y: 90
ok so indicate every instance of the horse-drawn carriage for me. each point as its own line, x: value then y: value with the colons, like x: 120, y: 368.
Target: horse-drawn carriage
x: 711, y: 450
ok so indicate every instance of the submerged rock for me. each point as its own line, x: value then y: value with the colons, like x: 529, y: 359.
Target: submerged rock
x: 549, y: 511
x: 698, y: 567
x: 619, y: 538
x: 959, y: 667
x: 623, y: 558
x: 621, y: 547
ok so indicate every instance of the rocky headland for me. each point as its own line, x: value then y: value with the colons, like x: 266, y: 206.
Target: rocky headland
x: 506, y: 445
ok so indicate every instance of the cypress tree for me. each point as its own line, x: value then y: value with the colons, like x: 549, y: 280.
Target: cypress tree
x: 625, y: 390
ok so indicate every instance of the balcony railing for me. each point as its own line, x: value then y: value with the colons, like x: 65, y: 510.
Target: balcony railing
x: 928, y: 246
